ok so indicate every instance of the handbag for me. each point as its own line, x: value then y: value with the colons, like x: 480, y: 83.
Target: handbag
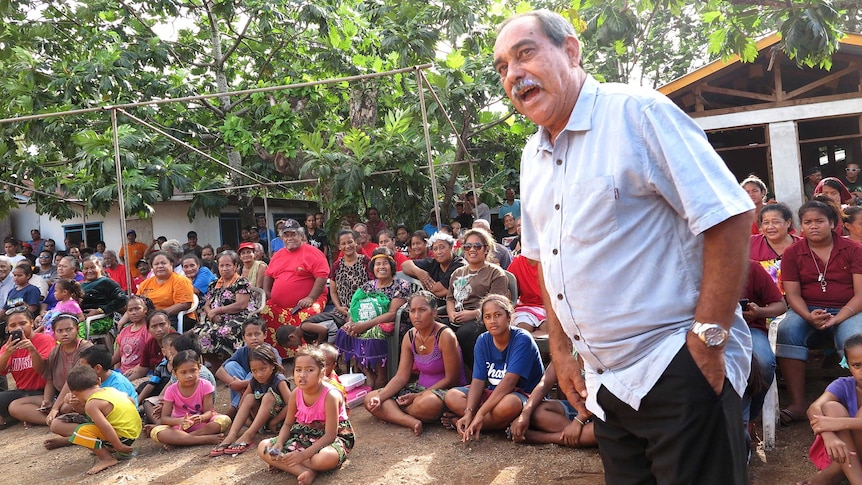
x: 365, y: 306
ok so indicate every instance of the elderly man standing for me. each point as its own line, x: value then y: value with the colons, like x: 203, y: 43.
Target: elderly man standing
x: 294, y: 284
x: 651, y: 307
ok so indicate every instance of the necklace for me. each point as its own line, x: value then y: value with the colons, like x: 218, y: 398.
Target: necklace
x: 422, y: 346
x: 821, y: 275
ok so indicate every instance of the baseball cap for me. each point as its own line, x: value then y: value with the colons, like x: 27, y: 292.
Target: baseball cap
x: 27, y: 245
x: 132, y: 231
x: 290, y: 225
x: 246, y: 245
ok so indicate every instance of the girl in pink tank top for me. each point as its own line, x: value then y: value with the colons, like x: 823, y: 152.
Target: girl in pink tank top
x: 316, y: 435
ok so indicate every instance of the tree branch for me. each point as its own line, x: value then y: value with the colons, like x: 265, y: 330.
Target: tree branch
x: 239, y: 39
x: 488, y: 126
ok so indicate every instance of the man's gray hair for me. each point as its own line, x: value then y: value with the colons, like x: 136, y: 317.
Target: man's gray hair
x: 4, y: 260
x: 553, y: 25
x: 109, y: 252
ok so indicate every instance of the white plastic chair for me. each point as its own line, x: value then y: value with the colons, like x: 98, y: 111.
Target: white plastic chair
x: 88, y: 322
x: 770, y: 402
x: 181, y: 315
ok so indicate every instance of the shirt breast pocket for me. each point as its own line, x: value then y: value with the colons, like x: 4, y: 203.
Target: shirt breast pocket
x: 591, y: 214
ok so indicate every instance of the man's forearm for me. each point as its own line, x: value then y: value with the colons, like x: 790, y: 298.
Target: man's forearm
x: 725, y: 261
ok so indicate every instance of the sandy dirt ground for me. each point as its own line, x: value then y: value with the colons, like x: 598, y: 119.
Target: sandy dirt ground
x: 384, y: 454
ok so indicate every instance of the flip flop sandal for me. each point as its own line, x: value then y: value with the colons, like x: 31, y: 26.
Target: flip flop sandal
x: 218, y: 450
x: 787, y: 417
x: 237, y: 448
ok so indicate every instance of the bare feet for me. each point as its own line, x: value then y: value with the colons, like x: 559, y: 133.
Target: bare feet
x: 273, y: 470
x: 448, y: 420
x: 148, y: 428
x: 102, y: 465
x: 831, y: 475
x: 54, y: 443
x: 417, y: 428
x: 306, y: 477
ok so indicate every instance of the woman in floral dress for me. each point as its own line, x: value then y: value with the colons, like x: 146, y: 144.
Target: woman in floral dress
x: 227, y: 306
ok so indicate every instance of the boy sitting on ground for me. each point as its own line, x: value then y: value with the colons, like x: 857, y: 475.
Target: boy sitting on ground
x: 116, y: 422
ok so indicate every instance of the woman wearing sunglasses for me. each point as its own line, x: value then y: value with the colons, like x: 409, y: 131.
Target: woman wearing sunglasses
x: 469, y: 284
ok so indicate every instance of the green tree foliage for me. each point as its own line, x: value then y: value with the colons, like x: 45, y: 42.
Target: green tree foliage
x: 362, y: 142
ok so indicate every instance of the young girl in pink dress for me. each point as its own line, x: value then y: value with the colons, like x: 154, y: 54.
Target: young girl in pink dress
x: 68, y: 294
x: 316, y: 436
x: 187, y: 411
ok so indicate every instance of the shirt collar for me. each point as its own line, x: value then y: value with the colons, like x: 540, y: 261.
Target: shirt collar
x: 582, y: 115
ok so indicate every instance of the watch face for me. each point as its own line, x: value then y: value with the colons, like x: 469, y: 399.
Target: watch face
x: 714, y: 336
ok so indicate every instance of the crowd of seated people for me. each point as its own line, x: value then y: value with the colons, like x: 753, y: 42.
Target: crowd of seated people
x: 461, y: 331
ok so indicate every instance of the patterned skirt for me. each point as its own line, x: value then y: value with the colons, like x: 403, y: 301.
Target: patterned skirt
x: 368, y: 352
x: 303, y: 435
x: 221, y: 338
x: 277, y: 316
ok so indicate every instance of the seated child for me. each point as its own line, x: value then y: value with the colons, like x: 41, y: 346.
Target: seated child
x: 551, y: 420
x: 150, y: 392
x: 507, y: 362
x: 329, y: 375
x: 97, y: 358
x: 187, y: 411
x: 836, y: 419
x: 153, y: 405
x: 263, y: 401
x: 158, y: 325
x: 530, y: 310
x: 317, y: 435
x: 289, y: 337
x: 68, y: 294
x: 115, y: 420
x: 235, y: 371
x: 132, y: 341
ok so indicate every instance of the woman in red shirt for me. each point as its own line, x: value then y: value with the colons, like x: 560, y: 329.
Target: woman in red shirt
x: 767, y: 247
x: 822, y: 276
x: 24, y: 355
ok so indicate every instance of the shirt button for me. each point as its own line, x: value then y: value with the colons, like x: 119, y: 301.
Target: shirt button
x: 600, y: 371
x: 559, y: 162
x: 559, y: 296
x: 555, y: 252
x: 557, y: 206
x: 577, y: 337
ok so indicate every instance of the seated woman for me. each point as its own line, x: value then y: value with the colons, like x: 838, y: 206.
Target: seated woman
x: 418, y: 245
x: 349, y: 272
x: 775, y: 221
x: 252, y: 269
x: 23, y: 355
x: 227, y: 306
x: 756, y: 190
x: 834, y: 189
x: 169, y: 291
x: 761, y: 299
x: 530, y: 310
x: 200, y: 275
x: 853, y: 223
x: 435, y: 272
x: 410, y: 404
x: 32, y: 409
x: 102, y: 296
x: 507, y: 369
x: 373, y: 306
x: 822, y: 277
x: 554, y: 421
x: 468, y: 286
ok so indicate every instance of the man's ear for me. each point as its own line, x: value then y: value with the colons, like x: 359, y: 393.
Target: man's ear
x: 572, y: 46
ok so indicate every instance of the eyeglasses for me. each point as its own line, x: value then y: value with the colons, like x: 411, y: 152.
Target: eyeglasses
x: 852, y: 169
x: 17, y: 309
x: 469, y: 246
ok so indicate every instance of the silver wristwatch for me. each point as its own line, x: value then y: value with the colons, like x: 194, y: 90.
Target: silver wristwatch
x: 711, y: 334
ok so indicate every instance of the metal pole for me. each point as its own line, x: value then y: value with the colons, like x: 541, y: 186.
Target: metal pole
x: 121, y: 195
x: 266, y: 218
x: 473, y: 183
x: 428, y: 146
